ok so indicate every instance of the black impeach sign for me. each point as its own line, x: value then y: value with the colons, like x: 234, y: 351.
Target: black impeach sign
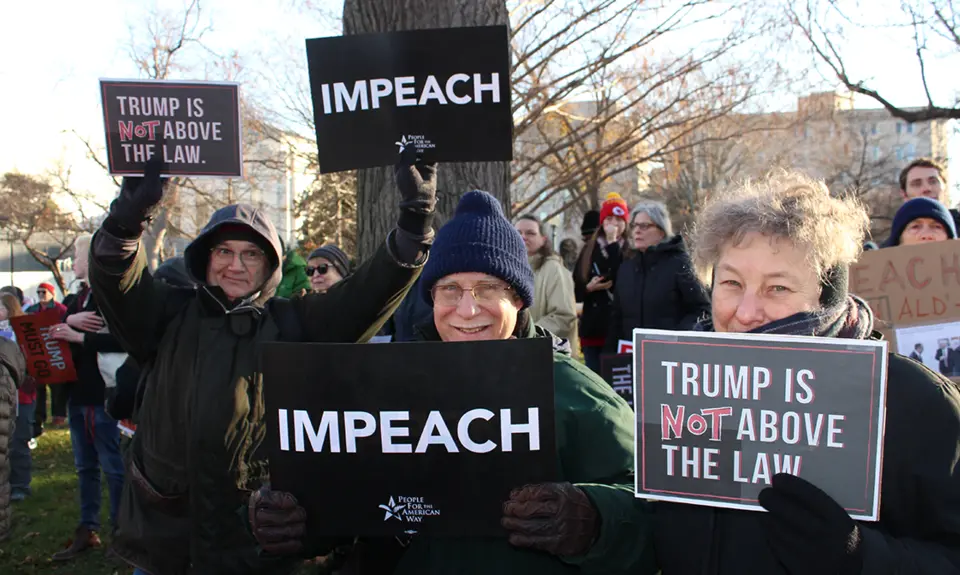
x: 446, y: 90
x: 720, y: 414
x: 193, y: 127
x: 427, y: 437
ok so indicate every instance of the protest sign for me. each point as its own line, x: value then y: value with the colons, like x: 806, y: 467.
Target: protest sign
x: 719, y: 414
x: 624, y: 346
x: 194, y: 127
x: 426, y: 437
x: 936, y: 345
x: 617, y: 370
x: 446, y: 90
x: 48, y: 360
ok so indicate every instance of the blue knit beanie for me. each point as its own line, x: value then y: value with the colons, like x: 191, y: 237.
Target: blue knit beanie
x: 920, y: 208
x: 479, y: 239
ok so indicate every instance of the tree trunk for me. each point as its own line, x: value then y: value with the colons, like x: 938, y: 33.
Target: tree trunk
x: 376, y: 192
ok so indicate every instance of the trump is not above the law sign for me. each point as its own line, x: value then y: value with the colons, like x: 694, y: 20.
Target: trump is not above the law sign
x: 447, y: 91
x: 719, y: 414
x: 427, y: 437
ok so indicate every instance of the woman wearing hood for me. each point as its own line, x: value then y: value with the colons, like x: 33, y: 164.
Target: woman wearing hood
x: 775, y: 253
x: 198, y: 459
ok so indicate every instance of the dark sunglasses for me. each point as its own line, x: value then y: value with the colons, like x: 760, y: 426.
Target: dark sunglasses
x: 321, y: 269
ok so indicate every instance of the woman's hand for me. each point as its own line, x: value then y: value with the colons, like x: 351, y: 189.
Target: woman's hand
x: 85, y: 321
x: 64, y: 332
x: 596, y: 283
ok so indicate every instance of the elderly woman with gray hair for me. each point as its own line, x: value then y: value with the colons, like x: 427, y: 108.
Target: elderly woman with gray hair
x: 655, y: 285
x: 775, y: 253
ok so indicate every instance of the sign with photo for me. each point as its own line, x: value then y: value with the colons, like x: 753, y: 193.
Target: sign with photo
x: 617, y: 370
x: 48, y: 360
x: 936, y: 345
x: 719, y: 414
x: 423, y: 437
x: 446, y: 90
x: 194, y: 127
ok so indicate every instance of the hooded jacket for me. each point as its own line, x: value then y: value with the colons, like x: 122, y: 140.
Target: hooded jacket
x: 656, y: 289
x: 595, y: 452
x: 12, y: 370
x: 199, y: 448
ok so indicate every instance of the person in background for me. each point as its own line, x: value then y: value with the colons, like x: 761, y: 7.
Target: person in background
x: 921, y: 220
x: 926, y: 178
x: 46, y: 294
x: 94, y: 435
x: 917, y: 352
x: 47, y: 299
x: 13, y: 369
x: 776, y: 253
x: 944, y: 357
x: 554, y: 305
x: 294, y: 281
x: 589, y: 224
x: 568, y: 253
x: 595, y: 275
x: 326, y: 267
x: 655, y: 286
x: 21, y: 461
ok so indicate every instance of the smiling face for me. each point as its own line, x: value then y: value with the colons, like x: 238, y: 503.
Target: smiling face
x: 238, y: 267
x: 759, y: 281
x: 487, y: 308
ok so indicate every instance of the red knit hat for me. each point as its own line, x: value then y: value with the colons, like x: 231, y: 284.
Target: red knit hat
x: 615, y: 206
x: 48, y: 287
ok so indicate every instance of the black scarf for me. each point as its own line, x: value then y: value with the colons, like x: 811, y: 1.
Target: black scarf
x: 851, y: 318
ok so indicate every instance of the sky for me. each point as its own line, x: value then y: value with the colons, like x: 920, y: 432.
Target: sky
x: 50, y: 71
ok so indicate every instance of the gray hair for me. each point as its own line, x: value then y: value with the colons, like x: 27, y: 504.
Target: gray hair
x: 657, y: 211
x: 786, y: 204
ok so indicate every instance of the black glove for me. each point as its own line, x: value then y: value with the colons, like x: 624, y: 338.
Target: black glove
x: 808, y: 531
x: 557, y: 518
x: 277, y: 521
x: 417, y: 182
x: 139, y: 198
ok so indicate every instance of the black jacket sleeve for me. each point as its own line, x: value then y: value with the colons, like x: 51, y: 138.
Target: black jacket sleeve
x: 693, y: 298
x: 615, y: 324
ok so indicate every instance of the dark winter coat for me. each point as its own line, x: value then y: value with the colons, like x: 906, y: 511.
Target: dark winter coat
x: 199, y: 449
x: 656, y: 289
x: 12, y: 371
x: 919, y: 528
x: 595, y: 450
x: 88, y: 390
x: 594, y: 320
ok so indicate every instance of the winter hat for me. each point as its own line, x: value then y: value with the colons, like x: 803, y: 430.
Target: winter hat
x: 613, y: 205
x: 335, y: 256
x: 47, y: 286
x: 920, y: 208
x: 479, y: 238
x: 590, y: 224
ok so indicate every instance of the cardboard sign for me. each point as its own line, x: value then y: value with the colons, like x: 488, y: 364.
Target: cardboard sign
x: 194, y: 127
x: 617, y: 370
x: 720, y: 414
x: 446, y: 90
x: 48, y: 360
x: 425, y: 437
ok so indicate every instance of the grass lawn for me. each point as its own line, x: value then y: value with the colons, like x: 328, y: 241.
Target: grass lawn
x: 44, y: 523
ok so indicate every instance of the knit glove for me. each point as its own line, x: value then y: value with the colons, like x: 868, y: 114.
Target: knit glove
x: 557, y: 518
x: 808, y: 531
x: 417, y: 182
x: 277, y: 521
x: 139, y: 198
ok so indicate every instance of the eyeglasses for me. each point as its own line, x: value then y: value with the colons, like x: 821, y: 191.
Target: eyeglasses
x: 451, y: 294
x: 643, y: 227
x: 321, y: 269
x: 249, y: 258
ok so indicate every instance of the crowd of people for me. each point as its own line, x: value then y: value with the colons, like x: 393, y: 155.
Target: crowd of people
x: 191, y: 493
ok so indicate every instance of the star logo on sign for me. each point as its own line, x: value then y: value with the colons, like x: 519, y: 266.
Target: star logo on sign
x: 392, y: 510
x: 403, y: 144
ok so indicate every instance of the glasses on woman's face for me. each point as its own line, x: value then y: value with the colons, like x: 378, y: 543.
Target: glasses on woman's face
x: 642, y: 227
x: 321, y: 269
x: 249, y: 258
x: 484, y: 293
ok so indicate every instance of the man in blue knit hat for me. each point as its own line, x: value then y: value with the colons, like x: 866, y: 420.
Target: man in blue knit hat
x: 479, y: 284
x: 921, y: 220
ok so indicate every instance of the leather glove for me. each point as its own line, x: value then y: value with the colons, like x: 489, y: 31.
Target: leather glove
x: 139, y: 198
x: 417, y: 182
x: 277, y: 521
x: 808, y: 531
x: 557, y: 518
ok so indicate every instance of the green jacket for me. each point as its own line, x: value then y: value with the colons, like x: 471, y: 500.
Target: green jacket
x: 199, y: 449
x: 595, y: 449
x: 295, y: 278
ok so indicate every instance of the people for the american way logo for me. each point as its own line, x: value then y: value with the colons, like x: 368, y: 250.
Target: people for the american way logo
x: 408, y: 509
